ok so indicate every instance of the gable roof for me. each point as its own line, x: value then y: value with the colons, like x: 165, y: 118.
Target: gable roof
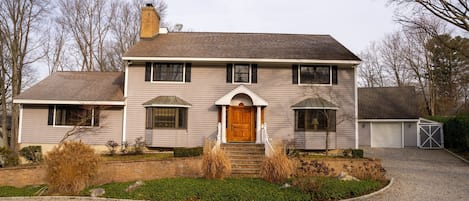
x: 387, y: 103
x: 76, y: 86
x: 240, y: 45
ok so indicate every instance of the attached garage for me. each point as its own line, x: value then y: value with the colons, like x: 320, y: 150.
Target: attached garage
x: 387, y: 133
x: 388, y: 117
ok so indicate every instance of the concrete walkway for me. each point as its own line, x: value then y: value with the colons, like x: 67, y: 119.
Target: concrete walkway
x: 422, y: 174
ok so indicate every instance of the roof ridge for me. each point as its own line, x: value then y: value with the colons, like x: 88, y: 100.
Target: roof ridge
x: 242, y: 33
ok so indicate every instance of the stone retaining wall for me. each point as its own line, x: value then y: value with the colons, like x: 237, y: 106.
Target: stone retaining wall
x: 111, y: 171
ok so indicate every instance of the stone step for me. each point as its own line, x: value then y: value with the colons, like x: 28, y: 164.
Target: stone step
x: 246, y: 159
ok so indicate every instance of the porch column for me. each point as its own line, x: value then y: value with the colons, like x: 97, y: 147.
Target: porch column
x: 223, y: 123
x: 258, y: 125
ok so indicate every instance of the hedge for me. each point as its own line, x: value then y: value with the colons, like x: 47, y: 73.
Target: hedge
x: 456, y: 131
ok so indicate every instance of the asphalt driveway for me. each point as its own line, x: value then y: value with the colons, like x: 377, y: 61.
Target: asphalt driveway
x: 422, y: 174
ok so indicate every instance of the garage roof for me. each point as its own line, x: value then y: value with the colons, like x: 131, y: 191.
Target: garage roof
x: 387, y: 103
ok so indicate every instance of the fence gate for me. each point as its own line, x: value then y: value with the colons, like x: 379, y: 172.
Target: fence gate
x: 430, y: 134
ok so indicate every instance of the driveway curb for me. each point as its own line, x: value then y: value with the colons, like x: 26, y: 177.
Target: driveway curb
x: 391, y: 182
x: 457, y: 156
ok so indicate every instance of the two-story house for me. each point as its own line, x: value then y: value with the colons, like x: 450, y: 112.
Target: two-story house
x: 183, y: 87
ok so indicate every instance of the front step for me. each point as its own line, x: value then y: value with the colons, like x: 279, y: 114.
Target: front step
x: 246, y: 159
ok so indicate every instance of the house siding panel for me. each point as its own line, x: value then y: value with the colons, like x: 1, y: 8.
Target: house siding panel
x: 208, y: 84
x: 36, y: 130
x: 410, y: 134
x: 364, y: 134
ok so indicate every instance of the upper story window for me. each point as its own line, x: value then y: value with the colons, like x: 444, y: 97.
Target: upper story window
x: 241, y: 73
x: 168, y: 72
x: 314, y: 74
x: 73, y: 115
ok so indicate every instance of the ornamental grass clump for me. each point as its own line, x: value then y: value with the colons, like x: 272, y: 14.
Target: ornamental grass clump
x: 215, y: 164
x: 277, y: 168
x: 70, y: 167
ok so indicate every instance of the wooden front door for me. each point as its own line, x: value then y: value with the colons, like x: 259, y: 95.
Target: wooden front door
x: 240, y: 127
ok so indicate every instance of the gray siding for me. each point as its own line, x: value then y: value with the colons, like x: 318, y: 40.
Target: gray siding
x: 35, y: 128
x: 364, y: 134
x: 209, y: 84
x: 410, y: 134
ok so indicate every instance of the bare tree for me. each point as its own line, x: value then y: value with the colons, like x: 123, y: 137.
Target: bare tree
x: 371, y: 71
x: 17, y: 22
x: 392, y: 57
x: 455, y: 12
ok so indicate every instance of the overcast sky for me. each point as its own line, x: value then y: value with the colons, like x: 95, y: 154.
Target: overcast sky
x: 354, y: 23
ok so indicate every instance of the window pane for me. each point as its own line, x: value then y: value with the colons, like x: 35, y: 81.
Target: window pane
x: 167, y: 72
x: 315, y: 74
x: 168, y: 117
x: 73, y: 116
x: 315, y: 120
x: 241, y: 73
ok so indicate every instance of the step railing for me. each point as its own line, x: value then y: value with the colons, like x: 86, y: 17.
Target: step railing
x: 218, y: 138
x: 269, y: 149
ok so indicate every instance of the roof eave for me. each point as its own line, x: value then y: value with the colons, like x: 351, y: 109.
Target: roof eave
x: 260, y: 60
x: 67, y: 102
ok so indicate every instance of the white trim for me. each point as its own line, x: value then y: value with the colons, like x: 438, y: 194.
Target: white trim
x: 126, y: 80
x: 20, y: 123
x: 255, y: 60
x: 315, y: 108
x: 241, y: 89
x: 223, y: 123
x: 371, y: 134
x: 67, y: 102
x: 124, y: 124
x: 402, y: 134
x: 357, y: 136
x: 388, y: 120
x: 258, y: 124
x: 163, y: 30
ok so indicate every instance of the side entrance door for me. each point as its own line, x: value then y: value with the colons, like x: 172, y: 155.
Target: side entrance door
x: 240, y: 127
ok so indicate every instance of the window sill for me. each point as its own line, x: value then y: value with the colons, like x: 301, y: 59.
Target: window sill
x: 301, y: 84
x: 167, y: 82
x: 67, y: 126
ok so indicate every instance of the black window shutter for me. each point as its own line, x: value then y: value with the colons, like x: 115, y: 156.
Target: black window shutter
x: 50, y: 117
x: 229, y: 73
x: 334, y: 74
x: 147, y: 72
x: 295, y: 74
x: 253, y: 73
x: 188, y: 72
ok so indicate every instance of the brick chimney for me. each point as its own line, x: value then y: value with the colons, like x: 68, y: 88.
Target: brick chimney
x: 150, y: 21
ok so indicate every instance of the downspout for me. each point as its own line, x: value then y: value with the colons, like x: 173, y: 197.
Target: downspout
x: 124, y: 119
x: 356, y: 106
x: 20, y: 124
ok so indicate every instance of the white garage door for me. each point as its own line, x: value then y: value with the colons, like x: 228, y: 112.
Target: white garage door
x: 386, y: 135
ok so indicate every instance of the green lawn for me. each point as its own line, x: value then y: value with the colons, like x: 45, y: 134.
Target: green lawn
x: 233, y: 189
x: 228, y: 189
x: 8, y: 191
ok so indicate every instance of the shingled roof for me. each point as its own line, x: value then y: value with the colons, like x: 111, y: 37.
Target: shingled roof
x: 387, y: 103
x: 241, y: 45
x: 78, y: 86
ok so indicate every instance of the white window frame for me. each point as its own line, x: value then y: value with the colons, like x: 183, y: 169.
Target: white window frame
x: 71, y: 126
x: 306, y: 84
x: 168, y: 82
x: 233, y: 74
